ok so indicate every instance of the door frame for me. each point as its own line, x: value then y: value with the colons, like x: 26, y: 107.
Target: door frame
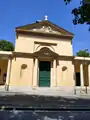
x: 39, y: 70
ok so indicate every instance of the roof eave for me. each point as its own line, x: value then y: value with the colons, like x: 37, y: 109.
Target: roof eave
x: 42, y: 33
x: 46, y: 22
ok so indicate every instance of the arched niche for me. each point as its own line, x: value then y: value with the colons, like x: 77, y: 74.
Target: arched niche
x: 44, y: 46
x: 46, y: 52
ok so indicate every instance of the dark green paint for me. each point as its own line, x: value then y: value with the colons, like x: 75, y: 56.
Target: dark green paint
x: 44, y: 73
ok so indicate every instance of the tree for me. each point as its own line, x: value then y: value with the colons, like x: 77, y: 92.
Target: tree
x: 83, y: 53
x: 6, y: 45
x: 82, y: 13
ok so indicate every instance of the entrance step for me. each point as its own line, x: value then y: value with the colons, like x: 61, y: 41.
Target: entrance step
x: 54, y: 91
x: 2, y: 88
x: 47, y: 91
x: 50, y: 91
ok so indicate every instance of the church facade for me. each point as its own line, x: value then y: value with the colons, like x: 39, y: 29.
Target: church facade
x: 43, y: 58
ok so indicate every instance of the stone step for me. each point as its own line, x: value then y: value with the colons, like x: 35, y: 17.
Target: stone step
x: 55, y: 91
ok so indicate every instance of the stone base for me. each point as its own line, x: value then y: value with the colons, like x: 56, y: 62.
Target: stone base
x: 46, y: 91
x: 82, y: 90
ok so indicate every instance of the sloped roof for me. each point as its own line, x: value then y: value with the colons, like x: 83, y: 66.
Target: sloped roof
x: 44, y: 27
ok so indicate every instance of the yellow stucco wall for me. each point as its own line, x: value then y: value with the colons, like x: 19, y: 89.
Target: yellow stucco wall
x: 85, y: 69
x: 65, y: 77
x: 63, y: 47
x: 27, y: 44
x: 19, y: 76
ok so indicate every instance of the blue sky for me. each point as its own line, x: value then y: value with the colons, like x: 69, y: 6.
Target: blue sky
x: 15, y: 13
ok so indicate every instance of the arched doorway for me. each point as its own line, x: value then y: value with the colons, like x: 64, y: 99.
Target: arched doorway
x: 46, y: 58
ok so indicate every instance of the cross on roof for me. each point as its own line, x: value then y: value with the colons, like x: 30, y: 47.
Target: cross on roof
x: 46, y: 17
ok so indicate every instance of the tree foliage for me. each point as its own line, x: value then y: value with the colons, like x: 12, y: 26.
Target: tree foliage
x: 6, y: 45
x: 83, y: 53
x: 82, y: 13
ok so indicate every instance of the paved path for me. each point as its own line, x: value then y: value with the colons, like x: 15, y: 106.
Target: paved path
x: 44, y: 115
x: 33, y: 101
x: 32, y: 107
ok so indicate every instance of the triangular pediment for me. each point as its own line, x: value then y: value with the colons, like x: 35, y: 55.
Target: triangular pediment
x: 44, y: 27
x: 46, y: 52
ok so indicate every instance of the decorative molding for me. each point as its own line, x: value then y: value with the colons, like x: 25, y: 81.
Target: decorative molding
x: 40, y: 46
x: 47, y: 29
x: 45, y: 43
x: 23, y: 66
x: 64, y: 68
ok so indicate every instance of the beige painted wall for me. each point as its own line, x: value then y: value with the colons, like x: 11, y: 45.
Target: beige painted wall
x: 65, y: 77
x: 26, y: 44
x: 21, y: 77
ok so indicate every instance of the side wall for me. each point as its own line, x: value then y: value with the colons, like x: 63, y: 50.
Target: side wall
x: 65, y: 73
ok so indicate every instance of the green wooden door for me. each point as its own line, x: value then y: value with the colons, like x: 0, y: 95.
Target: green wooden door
x: 44, y: 73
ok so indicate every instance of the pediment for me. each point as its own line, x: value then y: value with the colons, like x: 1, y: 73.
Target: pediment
x: 46, y: 52
x: 44, y: 27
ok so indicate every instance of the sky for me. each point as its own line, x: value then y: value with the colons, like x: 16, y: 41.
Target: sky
x: 14, y: 13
